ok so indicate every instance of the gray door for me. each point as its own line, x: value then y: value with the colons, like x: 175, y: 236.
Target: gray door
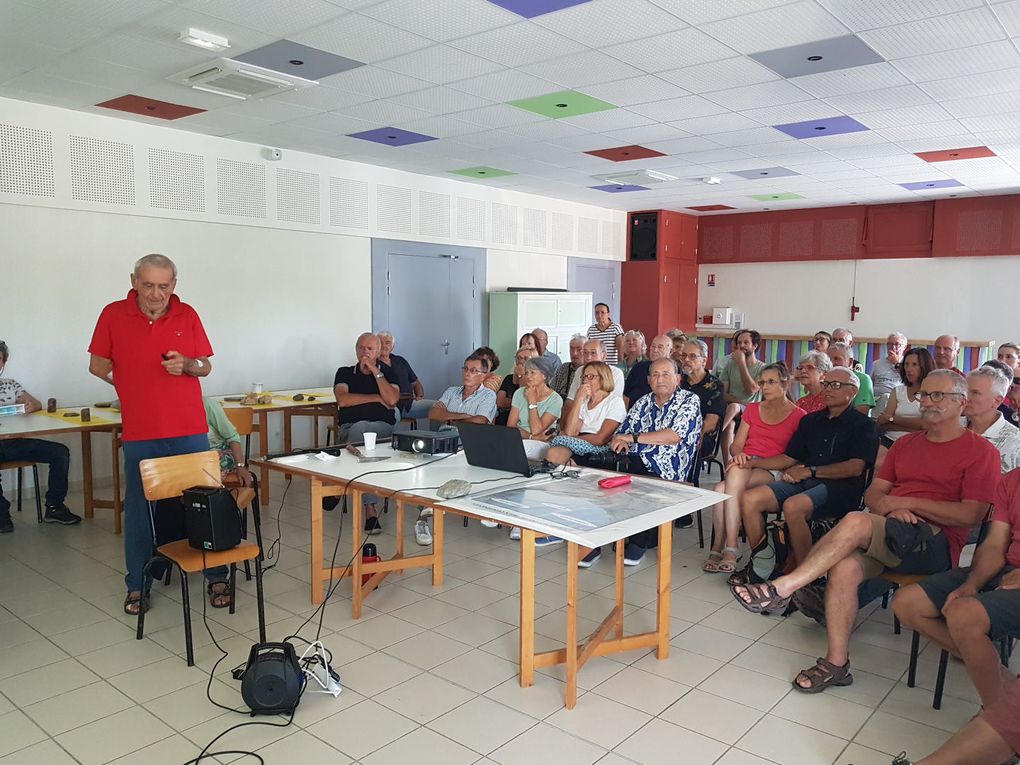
x: 599, y: 277
x: 431, y: 303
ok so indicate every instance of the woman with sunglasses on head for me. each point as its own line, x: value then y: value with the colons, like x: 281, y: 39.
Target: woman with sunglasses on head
x: 593, y: 418
x: 765, y: 430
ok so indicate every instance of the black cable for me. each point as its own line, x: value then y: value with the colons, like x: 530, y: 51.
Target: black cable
x: 276, y: 543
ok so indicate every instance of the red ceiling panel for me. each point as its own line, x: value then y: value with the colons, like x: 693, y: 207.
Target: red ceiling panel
x: 625, y: 153
x: 948, y: 155
x: 150, y: 107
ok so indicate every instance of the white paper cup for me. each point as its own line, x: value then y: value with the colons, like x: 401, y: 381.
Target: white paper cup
x: 370, y: 441
x: 256, y: 387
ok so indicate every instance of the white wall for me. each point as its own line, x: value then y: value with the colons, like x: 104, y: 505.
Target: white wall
x: 506, y: 268
x: 923, y: 298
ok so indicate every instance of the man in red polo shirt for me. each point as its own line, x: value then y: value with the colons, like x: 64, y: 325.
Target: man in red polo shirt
x: 152, y: 348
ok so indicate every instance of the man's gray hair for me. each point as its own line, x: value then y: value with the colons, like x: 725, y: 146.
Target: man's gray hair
x: 851, y: 376
x: 384, y: 333
x: 819, y: 359
x: 1000, y: 382
x: 899, y: 336
x: 676, y: 334
x: 842, y: 329
x: 840, y: 347
x: 702, y: 346
x: 579, y: 338
x: 636, y: 333
x: 155, y: 260
x: 959, y: 381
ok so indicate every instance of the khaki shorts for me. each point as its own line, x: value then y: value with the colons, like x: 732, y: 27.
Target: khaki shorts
x: 877, y: 557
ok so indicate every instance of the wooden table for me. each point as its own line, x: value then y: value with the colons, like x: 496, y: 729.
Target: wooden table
x: 340, y: 477
x: 283, y: 401
x: 41, y: 424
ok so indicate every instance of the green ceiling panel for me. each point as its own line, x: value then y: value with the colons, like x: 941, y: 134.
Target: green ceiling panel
x: 566, y: 103
x: 482, y: 172
x: 776, y: 197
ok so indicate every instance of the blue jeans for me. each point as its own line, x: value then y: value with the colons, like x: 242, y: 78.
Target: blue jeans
x: 138, y: 528
x: 53, y: 454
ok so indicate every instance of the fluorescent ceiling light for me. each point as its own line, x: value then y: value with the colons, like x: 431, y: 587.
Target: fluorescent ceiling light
x: 206, y: 40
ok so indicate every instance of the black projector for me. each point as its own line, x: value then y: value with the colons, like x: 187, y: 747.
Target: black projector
x: 426, y: 441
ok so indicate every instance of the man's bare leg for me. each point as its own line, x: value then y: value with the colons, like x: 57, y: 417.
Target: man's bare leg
x: 976, y: 743
x: 916, y: 611
x: 797, y: 510
x: 969, y: 625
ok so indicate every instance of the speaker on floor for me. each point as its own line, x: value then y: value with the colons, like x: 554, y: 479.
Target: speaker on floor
x: 644, y: 235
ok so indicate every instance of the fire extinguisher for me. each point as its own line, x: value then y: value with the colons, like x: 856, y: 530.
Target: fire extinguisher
x: 368, y: 555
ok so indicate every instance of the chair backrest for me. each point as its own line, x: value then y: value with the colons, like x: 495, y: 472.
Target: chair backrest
x: 165, y: 477
x: 242, y: 418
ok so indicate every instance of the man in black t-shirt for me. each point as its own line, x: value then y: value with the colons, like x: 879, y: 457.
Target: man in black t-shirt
x: 366, y: 395
x: 707, y: 387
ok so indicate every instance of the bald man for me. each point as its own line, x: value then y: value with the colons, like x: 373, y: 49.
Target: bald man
x: 637, y: 385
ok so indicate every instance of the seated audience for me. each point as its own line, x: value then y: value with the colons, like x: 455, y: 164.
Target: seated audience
x: 505, y: 394
x: 535, y: 407
x: 658, y: 437
x: 707, y: 387
x: 542, y: 346
x: 634, y: 348
x: 591, y: 419
x: 492, y: 381
x: 843, y: 335
x: 809, y: 373
x: 986, y: 388
x: 593, y: 350
x: 564, y: 375
x: 530, y: 342
x: 1004, y: 407
x: 947, y: 348
x: 885, y: 373
x: 636, y: 385
x: 902, y: 414
x: 1009, y: 354
x: 764, y: 431
x: 738, y: 374
x: 932, y: 489
x: 224, y: 438
x: 57, y: 456
x: 470, y: 401
x: 366, y: 395
x: 839, y: 354
x: 962, y: 610
x: 679, y: 338
x: 821, y: 341
x: 608, y: 332
x: 412, y: 402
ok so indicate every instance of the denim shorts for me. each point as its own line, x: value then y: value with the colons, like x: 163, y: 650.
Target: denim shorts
x: 812, y: 488
x: 1002, y: 606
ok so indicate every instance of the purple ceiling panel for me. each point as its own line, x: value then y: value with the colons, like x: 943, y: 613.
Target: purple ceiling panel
x: 529, y: 9
x: 823, y: 127
x: 948, y: 183
x: 392, y: 136
x: 616, y: 188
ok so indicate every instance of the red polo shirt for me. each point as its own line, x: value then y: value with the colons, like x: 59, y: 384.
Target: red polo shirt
x: 154, y: 404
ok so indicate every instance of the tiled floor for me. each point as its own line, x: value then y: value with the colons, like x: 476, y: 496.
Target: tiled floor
x: 429, y: 674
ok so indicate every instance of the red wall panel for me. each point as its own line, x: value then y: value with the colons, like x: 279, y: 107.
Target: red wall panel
x: 977, y: 226
x: 831, y: 233
x: 898, y: 231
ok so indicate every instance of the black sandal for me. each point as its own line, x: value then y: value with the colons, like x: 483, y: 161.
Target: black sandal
x: 136, y: 604
x: 220, y: 598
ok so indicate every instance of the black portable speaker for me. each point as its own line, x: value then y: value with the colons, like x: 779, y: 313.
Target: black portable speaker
x: 211, y: 518
x: 644, y: 236
x: 271, y: 683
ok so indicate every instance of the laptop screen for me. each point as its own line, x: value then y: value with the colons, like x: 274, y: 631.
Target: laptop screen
x: 495, y: 447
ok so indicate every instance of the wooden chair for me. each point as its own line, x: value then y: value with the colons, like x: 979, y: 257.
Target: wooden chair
x: 167, y: 477
x: 20, y: 465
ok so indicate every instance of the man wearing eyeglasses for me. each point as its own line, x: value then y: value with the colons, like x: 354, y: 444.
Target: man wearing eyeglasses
x: 823, y: 468
x: 706, y: 386
x: 470, y: 402
x: 933, y: 487
x: 637, y: 385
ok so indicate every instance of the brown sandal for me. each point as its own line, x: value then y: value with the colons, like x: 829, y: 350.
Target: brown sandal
x: 135, y: 604
x: 764, y: 598
x: 823, y: 675
x: 220, y: 597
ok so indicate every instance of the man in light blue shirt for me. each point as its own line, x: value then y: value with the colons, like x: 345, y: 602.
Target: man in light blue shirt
x: 470, y: 402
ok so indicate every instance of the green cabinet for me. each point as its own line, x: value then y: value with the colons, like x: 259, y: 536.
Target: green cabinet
x: 560, y: 314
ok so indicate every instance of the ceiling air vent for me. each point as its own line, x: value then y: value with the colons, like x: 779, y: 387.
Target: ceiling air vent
x: 227, y: 77
x: 638, y: 177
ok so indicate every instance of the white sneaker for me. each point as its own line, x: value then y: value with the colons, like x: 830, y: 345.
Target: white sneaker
x: 515, y: 534
x: 422, y: 533
x: 487, y: 523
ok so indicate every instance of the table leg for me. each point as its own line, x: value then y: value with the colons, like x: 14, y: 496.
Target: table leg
x: 665, y: 572
x: 527, y: 608
x: 400, y: 527
x: 315, y: 530
x: 115, y: 463
x: 357, y: 529
x: 86, y: 472
x: 618, y: 557
x: 571, y: 690
x: 286, y: 437
x: 437, y: 546
x: 264, y: 448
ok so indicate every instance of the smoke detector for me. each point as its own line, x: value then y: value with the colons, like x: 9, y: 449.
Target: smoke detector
x: 637, y: 177
x: 227, y: 77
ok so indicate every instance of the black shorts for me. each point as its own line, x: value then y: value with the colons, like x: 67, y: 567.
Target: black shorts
x: 1002, y: 606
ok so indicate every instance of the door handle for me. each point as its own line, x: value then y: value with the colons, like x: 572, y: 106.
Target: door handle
x: 445, y: 345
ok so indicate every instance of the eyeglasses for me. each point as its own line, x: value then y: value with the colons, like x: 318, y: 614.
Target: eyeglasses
x: 836, y: 384
x: 1016, y: 380
x: 935, y: 395
x: 771, y: 382
x: 589, y: 377
x: 472, y: 370
x: 806, y: 367
x: 688, y: 355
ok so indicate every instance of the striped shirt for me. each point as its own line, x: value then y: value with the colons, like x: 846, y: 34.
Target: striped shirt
x: 608, y: 338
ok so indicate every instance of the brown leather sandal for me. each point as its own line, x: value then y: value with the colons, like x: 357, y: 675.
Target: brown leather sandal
x: 136, y: 603
x: 763, y: 598
x: 220, y: 594
x: 823, y: 675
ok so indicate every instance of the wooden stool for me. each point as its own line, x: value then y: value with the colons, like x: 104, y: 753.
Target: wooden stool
x: 20, y: 465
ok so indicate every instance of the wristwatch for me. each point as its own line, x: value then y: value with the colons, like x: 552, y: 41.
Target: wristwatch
x: 635, y: 437
x: 814, y: 472
x: 378, y: 375
x: 532, y: 406
x: 199, y: 363
x: 892, y: 418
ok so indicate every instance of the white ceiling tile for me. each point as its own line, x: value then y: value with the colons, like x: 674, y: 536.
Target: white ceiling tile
x: 1009, y: 16
x: 752, y: 138
x: 608, y: 22
x: 683, y: 145
x: 669, y: 51
x: 719, y: 75
x: 498, y: 116
x: 903, y: 117
x: 141, y: 53
x: 859, y: 15
x: 166, y: 25
x: 762, y: 94
x: 711, y: 156
x: 989, y: 122
x: 322, y: 98
x: 56, y: 91
x: 441, y: 100
x: 384, y: 113
x: 375, y: 82
x: 832, y: 142
x: 544, y: 130
x: 269, y: 16
x: 777, y: 28
x: 718, y: 123
x: 678, y: 108
x: 489, y: 139
x: 635, y: 90
x: 336, y: 123
x: 878, y: 148
x: 506, y: 85
x: 879, y: 163
x: 942, y: 33
x: 929, y: 130
x: 855, y: 80
x: 518, y: 44
x: 442, y: 21
x: 610, y: 119
x: 72, y: 66
x: 220, y: 123
x: 361, y: 38
x: 787, y: 113
x: 639, y: 135
x: 579, y: 69
x: 939, y: 143
x: 984, y: 84
x: 62, y: 32
x: 978, y: 106
x: 268, y: 109
x: 440, y: 64
x: 783, y: 154
x: 697, y: 12
x: 876, y: 100
x: 989, y: 57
